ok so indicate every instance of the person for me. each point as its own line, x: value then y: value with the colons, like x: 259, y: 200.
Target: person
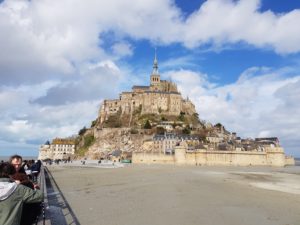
x: 16, y: 161
x: 30, y: 211
x: 13, y: 196
x: 35, y: 170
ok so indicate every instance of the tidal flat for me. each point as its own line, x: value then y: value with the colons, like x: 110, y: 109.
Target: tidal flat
x: 180, y: 195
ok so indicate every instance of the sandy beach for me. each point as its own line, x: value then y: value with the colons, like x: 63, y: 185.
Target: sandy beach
x: 163, y: 195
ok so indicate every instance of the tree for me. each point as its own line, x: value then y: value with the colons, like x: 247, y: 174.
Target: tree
x: 147, y: 125
x: 160, y: 130
x: 181, y: 116
x: 186, y: 130
x: 163, y: 118
x: 219, y: 125
x: 82, y: 131
x: 94, y: 122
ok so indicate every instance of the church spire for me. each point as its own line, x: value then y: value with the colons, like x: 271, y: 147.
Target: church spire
x: 155, y: 65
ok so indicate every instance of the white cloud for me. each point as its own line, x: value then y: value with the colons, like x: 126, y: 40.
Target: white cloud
x: 42, y: 39
x: 44, y: 123
x: 97, y: 80
x: 222, y: 22
x: 189, y: 82
x: 264, y: 103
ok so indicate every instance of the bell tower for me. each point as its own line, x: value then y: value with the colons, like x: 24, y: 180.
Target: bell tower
x: 155, y: 77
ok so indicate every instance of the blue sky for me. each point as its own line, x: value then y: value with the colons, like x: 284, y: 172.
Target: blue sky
x: 238, y: 61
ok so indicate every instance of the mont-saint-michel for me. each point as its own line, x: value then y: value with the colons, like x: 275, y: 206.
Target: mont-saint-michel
x: 155, y: 124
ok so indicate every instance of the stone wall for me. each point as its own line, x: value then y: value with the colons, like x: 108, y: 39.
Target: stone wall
x: 170, y: 103
x: 274, y: 157
x: 152, y: 158
x: 289, y: 161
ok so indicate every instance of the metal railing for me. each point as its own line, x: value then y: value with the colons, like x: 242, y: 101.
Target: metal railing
x: 42, y: 219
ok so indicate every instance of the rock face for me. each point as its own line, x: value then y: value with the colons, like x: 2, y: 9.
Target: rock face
x: 108, y: 140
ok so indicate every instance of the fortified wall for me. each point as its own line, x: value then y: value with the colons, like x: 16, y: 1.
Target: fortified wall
x: 271, y: 157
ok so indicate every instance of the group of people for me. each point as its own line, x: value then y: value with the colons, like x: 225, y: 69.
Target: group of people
x: 20, y: 197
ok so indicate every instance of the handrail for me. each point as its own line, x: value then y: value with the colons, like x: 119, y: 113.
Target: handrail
x: 42, y: 220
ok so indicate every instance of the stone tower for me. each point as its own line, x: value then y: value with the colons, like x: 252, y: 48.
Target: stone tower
x: 155, y: 77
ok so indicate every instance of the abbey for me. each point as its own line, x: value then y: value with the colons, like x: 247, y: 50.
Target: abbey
x: 160, y: 97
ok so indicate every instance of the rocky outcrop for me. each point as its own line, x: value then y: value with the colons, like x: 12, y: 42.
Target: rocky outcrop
x: 109, y: 139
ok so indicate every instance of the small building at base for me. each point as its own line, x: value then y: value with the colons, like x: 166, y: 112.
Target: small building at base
x: 59, y: 149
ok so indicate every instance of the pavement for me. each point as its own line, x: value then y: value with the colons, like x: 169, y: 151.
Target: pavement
x: 113, y: 194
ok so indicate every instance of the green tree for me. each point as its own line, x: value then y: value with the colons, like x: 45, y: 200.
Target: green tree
x: 219, y: 125
x: 181, y: 116
x: 94, y: 122
x: 186, y: 130
x: 147, y: 125
x: 82, y: 131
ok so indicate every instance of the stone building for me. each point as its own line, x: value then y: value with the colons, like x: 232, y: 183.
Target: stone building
x: 58, y: 149
x: 166, y: 143
x: 160, y: 97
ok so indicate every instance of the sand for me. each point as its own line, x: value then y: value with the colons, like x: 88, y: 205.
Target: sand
x: 177, y: 195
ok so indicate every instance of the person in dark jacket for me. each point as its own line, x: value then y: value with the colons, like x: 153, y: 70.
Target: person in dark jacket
x: 35, y: 170
x: 13, y: 196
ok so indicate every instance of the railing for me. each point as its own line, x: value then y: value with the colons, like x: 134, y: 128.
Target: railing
x: 42, y: 219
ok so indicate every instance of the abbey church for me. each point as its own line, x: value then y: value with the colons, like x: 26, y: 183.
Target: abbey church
x: 160, y: 97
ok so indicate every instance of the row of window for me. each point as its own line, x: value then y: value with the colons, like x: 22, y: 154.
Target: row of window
x: 63, y: 150
x: 155, y: 79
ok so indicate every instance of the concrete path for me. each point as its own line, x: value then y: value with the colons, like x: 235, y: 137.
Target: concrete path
x: 58, y: 211
x: 172, y: 195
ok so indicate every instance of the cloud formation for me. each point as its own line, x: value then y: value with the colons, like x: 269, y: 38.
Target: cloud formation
x: 42, y: 39
x: 263, y: 102
x: 90, y: 84
x: 224, y: 22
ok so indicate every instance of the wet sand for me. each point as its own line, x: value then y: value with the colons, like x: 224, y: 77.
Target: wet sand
x: 181, y: 195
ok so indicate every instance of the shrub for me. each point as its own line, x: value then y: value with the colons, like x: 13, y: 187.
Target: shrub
x: 88, y: 140
x: 94, y: 122
x: 186, y: 130
x: 163, y: 119
x: 134, y: 131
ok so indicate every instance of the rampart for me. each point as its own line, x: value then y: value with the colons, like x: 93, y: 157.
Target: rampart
x: 271, y: 157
